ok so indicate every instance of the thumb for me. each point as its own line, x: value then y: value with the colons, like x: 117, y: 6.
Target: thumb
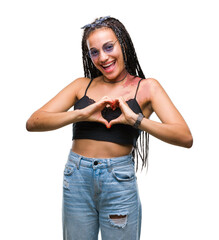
x: 112, y: 122
x: 105, y: 122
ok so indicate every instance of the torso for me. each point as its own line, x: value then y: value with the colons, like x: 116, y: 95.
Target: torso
x: 98, y: 89
x: 100, y: 149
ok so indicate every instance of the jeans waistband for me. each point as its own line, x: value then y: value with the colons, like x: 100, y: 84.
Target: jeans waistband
x: 80, y: 160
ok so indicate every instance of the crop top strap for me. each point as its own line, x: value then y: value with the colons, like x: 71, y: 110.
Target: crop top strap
x: 88, y: 86
x: 137, y: 88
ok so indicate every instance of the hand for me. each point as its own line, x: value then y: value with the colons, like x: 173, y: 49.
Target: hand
x: 127, y: 116
x: 93, y: 112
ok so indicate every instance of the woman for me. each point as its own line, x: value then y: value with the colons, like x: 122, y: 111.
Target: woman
x: 112, y: 106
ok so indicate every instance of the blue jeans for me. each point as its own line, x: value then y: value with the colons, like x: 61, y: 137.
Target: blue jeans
x: 100, y: 193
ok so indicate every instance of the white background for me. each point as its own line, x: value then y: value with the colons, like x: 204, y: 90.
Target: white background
x: 40, y: 53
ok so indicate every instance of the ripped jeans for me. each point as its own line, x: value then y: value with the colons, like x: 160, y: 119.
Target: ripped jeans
x: 100, y: 193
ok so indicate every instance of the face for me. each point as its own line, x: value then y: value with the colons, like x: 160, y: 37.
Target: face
x: 106, y: 53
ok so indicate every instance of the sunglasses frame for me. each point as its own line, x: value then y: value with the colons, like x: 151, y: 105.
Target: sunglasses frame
x: 105, y: 50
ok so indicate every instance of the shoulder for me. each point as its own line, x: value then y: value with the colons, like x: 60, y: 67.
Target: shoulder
x: 75, y: 88
x: 79, y: 85
x: 83, y: 82
x: 79, y: 82
x: 151, y: 82
x: 150, y: 85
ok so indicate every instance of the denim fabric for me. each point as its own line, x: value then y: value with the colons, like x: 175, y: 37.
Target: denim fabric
x: 95, y: 192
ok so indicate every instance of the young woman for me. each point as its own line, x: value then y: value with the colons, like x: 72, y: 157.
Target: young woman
x: 112, y: 106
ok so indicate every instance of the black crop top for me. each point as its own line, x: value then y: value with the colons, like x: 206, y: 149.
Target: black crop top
x: 118, y: 133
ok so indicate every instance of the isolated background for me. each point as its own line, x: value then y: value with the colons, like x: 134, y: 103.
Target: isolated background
x: 40, y: 53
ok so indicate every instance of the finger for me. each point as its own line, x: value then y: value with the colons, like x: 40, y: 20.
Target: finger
x: 108, y: 125
x: 105, y: 122
x: 101, y: 104
x: 105, y: 102
x: 115, y: 121
x: 106, y: 99
x: 123, y: 105
x: 120, y: 101
x: 115, y: 104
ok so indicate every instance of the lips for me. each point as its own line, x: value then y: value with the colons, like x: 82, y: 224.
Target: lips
x: 108, y: 67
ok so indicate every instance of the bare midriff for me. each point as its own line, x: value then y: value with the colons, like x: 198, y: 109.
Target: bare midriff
x: 100, y: 149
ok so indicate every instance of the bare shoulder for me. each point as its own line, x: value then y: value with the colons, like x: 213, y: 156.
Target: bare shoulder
x: 144, y: 95
x: 148, y: 87
x: 78, y: 86
x: 153, y: 86
x: 150, y: 83
x: 153, y: 83
x: 149, y: 90
x: 79, y: 82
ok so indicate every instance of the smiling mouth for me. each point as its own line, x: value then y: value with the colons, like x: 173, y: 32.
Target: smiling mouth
x: 108, y: 66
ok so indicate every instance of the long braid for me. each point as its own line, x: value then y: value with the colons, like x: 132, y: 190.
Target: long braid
x: 131, y: 64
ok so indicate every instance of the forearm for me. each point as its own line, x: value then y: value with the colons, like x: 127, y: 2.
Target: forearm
x: 176, y: 134
x: 46, y: 121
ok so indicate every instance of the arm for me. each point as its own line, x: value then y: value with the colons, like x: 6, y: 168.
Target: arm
x: 55, y: 114
x: 173, y: 128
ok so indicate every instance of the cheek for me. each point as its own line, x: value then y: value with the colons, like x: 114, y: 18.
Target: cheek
x: 121, y: 61
x: 95, y: 62
x: 120, y: 57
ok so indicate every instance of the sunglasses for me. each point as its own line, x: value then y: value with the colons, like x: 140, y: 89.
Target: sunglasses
x: 107, y: 48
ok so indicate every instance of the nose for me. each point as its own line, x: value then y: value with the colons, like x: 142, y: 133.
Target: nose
x: 103, y: 57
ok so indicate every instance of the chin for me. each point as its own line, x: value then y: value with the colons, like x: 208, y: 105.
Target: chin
x: 113, y: 75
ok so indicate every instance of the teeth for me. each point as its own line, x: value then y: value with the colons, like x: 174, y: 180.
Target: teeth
x: 107, y: 65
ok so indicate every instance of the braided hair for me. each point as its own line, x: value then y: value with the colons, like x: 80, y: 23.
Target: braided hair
x: 131, y: 64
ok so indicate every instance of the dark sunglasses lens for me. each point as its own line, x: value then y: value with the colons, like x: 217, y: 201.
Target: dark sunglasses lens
x: 108, y: 48
x: 93, y: 53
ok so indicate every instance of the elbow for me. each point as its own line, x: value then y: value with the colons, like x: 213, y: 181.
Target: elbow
x: 188, y: 141
x: 185, y: 138
x: 32, y: 123
x: 29, y: 126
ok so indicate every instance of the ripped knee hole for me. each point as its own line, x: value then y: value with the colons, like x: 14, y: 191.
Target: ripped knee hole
x: 117, y: 216
x: 119, y: 221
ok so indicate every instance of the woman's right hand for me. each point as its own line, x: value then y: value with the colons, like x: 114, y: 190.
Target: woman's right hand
x: 92, y: 113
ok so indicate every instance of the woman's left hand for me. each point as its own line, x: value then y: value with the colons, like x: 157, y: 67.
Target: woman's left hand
x: 127, y: 116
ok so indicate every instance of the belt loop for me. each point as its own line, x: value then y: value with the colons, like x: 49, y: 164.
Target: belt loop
x: 109, y: 165
x: 79, y: 162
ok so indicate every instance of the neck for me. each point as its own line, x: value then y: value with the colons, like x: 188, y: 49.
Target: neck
x: 121, y: 78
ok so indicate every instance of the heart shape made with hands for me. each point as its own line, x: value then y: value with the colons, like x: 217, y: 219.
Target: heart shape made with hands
x: 111, y: 111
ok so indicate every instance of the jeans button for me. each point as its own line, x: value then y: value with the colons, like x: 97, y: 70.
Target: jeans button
x: 95, y: 162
